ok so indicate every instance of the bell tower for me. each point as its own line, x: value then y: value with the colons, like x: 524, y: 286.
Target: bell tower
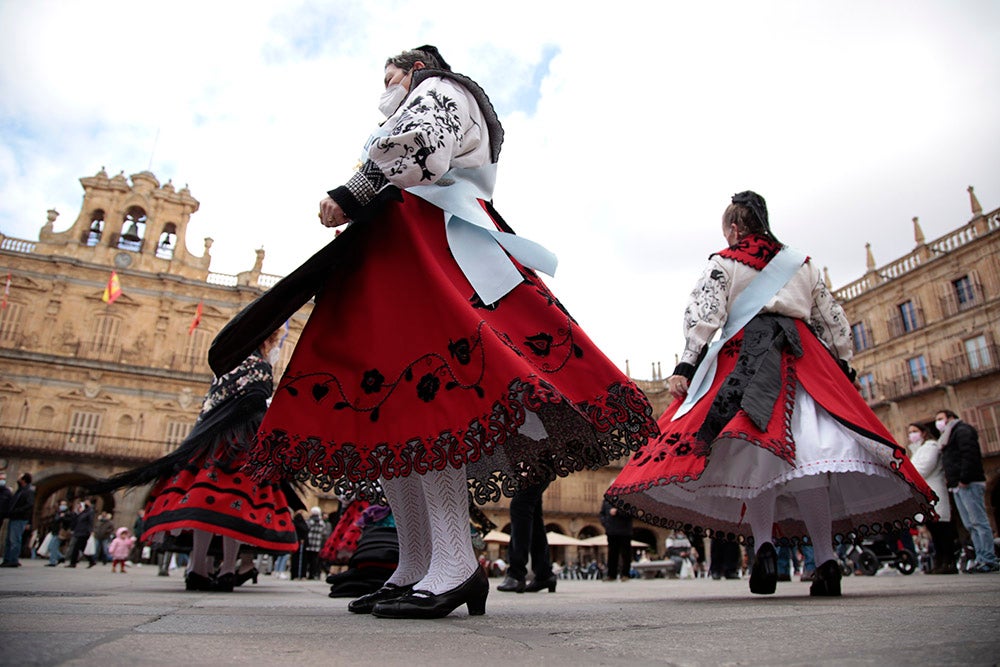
x: 133, y: 223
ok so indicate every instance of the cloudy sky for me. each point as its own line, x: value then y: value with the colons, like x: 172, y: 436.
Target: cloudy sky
x: 629, y: 125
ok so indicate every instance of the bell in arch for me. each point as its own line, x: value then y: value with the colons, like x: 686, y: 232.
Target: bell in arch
x: 132, y: 235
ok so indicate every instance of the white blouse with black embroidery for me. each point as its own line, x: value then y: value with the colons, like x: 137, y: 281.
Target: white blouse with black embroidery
x: 804, y: 297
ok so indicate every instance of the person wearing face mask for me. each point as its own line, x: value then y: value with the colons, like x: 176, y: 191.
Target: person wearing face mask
x: 200, y: 488
x: 767, y: 434
x: 965, y: 478
x: 435, y: 360
x: 925, y: 452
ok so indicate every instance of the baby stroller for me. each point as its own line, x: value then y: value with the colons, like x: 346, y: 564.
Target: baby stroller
x: 880, y: 550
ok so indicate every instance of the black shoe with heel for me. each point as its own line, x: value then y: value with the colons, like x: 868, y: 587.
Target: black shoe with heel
x: 424, y: 604
x: 764, y: 575
x: 243, y: 577
x: 537, y: 584
x: 511, y: 585
x: 365, y: 603
x: 826, y: 580
x: 196, y: 582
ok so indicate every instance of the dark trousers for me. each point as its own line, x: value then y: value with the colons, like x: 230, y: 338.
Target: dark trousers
x: 311, y: 564
x: 527, y: 534
x: 78, y: 545
x: 619, y: 555
x: 945, y: 539
x: 725, y: 557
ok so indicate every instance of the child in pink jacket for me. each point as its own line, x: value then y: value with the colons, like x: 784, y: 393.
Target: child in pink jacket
x: 121, y: 547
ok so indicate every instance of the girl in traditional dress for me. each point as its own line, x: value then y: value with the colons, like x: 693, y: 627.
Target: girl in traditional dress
x: 767, y: 436
x: 435, y: 360
x: 201, y: 488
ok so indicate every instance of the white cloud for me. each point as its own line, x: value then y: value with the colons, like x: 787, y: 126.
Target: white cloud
x: 850, y: 119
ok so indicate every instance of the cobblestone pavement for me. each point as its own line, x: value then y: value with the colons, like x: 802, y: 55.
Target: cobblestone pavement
x: 61, y: 616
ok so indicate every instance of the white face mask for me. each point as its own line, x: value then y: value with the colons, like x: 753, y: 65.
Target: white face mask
x: 916, y: 438
x: 391, y: 99
x: 273, y: 356
x: 941, y: 424
x: 3, y: 482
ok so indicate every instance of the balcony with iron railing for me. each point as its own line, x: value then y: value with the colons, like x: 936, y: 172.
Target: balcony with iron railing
x: 970, y: 365
x: 973, y: 296
x: 116, y: 355
x: 953, y: 240
x: 80, y: 446
x: 900, y: 325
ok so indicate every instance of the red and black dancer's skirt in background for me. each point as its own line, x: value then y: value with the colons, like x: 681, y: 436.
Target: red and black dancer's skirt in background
x: 813, y: 429
x: 343, y: 541
x: 402, y: 370
x: 201, y: 486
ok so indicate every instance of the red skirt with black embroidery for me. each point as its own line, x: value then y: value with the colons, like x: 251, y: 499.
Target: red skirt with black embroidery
x: 343, y: 541
x: 680, y: 481
x: 402, y: 370
x: 211, y: 493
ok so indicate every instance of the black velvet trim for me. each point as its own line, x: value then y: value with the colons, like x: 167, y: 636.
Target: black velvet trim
x: 685, y: 370
x: 223, y: 521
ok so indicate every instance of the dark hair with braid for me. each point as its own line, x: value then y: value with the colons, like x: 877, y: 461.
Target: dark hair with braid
x: 427, y: 54
x: 749, y: 213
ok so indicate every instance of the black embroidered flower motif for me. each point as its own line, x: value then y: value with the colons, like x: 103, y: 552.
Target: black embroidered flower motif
x: 428, y: 387
x: 460, y: 350
x: 540, y: 343
x: 372, y: 381
x: 683, y: 449
x: 237, y: 505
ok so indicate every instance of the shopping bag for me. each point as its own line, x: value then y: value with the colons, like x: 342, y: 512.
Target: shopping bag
x: 43, y: 550
x: 147, y: 552
x: 91, y: 548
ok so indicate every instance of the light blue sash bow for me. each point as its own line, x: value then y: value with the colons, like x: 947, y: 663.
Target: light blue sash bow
x: 746, y: 306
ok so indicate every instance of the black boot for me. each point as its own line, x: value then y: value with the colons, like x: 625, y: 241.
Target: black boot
x: 764, y: 575
x: 511, y: 585
x: 826, y: 581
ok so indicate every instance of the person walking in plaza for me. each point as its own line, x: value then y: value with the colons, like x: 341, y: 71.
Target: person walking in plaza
x: 319, y: 530
x: 104, y: 532
x: 83, y: 527
x: 618, y: 527
x: 435, y: 358
x: 61, y: 529
x: 5, y: 497
x: 120, y: 548
x: 527, y: 539
x: 962, y: 460
x: 767, y: 431
x: 201, y: 488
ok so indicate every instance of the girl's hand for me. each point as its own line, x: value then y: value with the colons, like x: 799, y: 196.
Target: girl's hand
x: 677, y: 385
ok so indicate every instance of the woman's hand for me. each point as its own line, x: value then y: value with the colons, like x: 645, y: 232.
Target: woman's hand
x: 677, y: 385
x: 330, y: 213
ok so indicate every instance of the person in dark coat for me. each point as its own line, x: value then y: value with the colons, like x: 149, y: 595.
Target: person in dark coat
x: 618, y: 526
x: 82, y: 528
x: 5, y: 497
x: 527, y: 537
x: 965, y: 478
x: 19, y: 512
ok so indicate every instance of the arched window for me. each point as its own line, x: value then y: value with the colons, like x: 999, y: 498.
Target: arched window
x: 133, y: 229
x: 126, y: 428
x: 46, y: 417
x: 167, y: 241
x: 93, y: 234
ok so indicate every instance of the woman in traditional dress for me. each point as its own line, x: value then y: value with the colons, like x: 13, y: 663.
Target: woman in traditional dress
x: 201, y: 488
x: 767, y: 436
x: 435, y: 360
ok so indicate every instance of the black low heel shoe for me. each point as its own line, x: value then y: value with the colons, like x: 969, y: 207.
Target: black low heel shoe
x: 241, y: 578
x: 224, y: 583
x: 424, y: 604
x: 826, y: 581
x: 511, y: 585
x: 196, y: 582
x: 536, y: 585
x: 764, y: 575
x: 365, y: 603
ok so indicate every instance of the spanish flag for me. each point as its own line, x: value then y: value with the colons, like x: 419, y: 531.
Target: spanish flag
x: 196, y: 321
x: 113, y: 289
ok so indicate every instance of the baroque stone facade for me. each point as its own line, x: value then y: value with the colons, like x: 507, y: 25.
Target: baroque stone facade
x: 926, y: 328
x: 89, y: 388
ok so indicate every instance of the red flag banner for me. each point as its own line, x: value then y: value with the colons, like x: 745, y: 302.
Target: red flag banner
x: 113, y: 289
x: 196, y: 321
x: 6, y: 291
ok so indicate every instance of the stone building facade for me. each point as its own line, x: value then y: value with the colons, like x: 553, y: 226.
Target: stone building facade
x: 89, y: 388
x: 926, y: 329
